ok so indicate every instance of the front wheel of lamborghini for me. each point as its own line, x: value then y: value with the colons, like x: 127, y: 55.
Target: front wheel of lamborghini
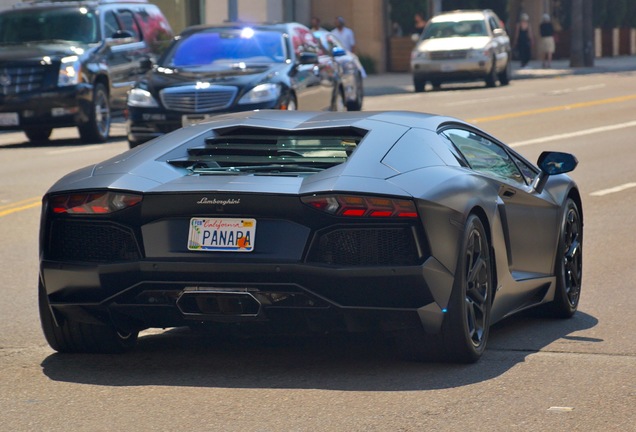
x: 79, y: 337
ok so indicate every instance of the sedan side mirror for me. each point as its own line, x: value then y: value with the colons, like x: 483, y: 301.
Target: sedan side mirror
x: 553, y: 163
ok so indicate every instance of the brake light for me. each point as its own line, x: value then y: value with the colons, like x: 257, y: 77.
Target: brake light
x: 362, y: 206
x: 93, y: 202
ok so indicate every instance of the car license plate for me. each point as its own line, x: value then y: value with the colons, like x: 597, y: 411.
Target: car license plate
x: 448, y: 68
x: 190, y: 119
x: 222, y: 234
x: 9, y: 119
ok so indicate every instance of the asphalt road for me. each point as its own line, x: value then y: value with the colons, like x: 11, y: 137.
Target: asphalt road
x: 537, y: 374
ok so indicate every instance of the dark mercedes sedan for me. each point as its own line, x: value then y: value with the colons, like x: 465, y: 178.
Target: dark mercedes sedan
x: 218, y: 69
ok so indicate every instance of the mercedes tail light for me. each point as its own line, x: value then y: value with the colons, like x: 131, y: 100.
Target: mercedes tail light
x: 92, y: 202
x: 362, y: 206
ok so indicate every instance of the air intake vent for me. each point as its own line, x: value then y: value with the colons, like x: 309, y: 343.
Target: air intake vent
x: 91, y: 242
x: 392, y: 246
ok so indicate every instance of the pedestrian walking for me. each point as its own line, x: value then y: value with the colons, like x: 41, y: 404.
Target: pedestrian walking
x: 524, y: 39
x: 546, y: 30
x: 344, y: 34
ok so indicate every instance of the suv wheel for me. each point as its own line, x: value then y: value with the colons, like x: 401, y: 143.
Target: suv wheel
x: 491, y: 78
x: 98, y: 127
x: 419, y: 83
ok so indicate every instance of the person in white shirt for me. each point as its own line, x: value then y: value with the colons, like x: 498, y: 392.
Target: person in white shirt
x: 344, y: 34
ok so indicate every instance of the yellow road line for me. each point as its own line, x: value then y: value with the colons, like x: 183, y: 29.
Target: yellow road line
x: 26, y: 204
x: 553, y: 109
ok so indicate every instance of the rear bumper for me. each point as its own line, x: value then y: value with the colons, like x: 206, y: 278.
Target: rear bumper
x: 167, y: 294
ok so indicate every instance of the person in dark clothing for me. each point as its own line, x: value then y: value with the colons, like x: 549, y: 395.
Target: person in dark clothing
x: 524, y: 40
x: 546, y: 30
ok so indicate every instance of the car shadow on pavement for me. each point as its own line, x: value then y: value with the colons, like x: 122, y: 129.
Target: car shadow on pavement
x: 179, y: 357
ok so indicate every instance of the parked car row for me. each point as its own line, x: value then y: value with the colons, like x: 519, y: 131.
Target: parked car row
x: 73, y: 63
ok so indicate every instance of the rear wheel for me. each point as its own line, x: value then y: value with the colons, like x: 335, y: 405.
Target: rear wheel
x: 79, y: 337
x: 98, y: 127
x: 38, y: 135
x: 467, y: 323
x: 437, y: 85
x: 569, y: 264
x: 356, y: 105
x: 339, y: 103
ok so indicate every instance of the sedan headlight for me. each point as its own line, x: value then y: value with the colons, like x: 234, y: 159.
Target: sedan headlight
x: 420, y: 55
x: 70, y: 71
x: 261, y: 93
x: 141, y: 98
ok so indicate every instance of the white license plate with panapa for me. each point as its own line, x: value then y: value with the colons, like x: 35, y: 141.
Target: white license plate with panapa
x: 222, y: 234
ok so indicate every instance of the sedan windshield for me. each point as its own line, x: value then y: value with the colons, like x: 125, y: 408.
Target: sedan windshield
x: 60, y: 24
x: 227, y: 47
x: 449, y: 29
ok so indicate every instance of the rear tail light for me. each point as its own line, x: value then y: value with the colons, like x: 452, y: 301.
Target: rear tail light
x: 362, y: 206
x: 93, y: 202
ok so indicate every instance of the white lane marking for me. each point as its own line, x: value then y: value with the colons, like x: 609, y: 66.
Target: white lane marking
x: 76, y: 149
x: 573, y: 134
x: 487, y: 100
x: 572, y: 90
x: 616, y: 189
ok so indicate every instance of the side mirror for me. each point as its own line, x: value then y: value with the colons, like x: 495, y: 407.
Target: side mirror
x: 306, y: 58
x: 553, y: 163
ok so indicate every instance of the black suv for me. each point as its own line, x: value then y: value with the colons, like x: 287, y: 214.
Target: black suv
x: 69, y: 63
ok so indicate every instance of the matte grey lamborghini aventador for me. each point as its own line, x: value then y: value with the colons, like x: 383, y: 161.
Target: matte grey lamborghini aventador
x: 421, y: 227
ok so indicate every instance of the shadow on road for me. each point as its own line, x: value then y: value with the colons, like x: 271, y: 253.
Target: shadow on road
x: 179, y: 357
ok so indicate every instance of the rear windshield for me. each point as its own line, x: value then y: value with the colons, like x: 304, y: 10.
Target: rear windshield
x: 449, y: 29
x: 232, y: 46
x: 271, y: 153
x: 77, y: 24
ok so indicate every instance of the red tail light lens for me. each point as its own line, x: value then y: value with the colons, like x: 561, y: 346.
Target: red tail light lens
x: 93, y: 202
x: 362, y: 206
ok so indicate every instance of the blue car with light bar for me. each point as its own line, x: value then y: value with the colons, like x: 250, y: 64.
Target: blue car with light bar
x: 421, y: 227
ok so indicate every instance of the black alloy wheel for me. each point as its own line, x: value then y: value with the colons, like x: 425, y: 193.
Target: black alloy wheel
x: 467, y: 324
x: 569, y: 265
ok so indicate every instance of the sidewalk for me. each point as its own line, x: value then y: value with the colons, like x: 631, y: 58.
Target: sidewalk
x: 392, y: 83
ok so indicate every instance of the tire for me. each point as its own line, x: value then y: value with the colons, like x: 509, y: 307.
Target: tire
x: 78, y: 337
x: 491, y: 78
x: 569, y: 264
x: 98, y: 127
x: 419, y: 83
x: 291, y: 104
x: 437, y: 85
x: 356, y: 105
x: 38, y: 135
x: 339, y: 103
x: 504, y: 76
x: 466, y: 324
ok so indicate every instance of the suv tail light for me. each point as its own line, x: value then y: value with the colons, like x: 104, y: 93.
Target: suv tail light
x: 362, y: 206
x: 93, y: 202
